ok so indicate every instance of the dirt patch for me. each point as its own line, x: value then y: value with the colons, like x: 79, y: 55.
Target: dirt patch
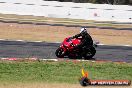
x: 47, y: 33
x: 44, y: 85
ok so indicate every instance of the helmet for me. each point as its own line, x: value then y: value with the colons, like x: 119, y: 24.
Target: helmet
x: 83, y: 30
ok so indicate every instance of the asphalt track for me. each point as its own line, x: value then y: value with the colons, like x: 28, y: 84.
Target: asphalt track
x: 43, y: 50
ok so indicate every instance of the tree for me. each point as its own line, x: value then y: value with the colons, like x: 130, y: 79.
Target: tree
x: 113, y: 2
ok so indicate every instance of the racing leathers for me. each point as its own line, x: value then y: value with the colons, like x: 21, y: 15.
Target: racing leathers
x: 86, y: 40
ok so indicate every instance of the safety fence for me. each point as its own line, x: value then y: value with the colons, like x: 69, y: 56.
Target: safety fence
x: 87, y: 11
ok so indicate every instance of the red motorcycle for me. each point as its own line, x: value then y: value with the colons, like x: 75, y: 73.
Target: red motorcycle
x: 67, y: 49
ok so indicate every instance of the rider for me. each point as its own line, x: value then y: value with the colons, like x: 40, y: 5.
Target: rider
x: 86, y: 39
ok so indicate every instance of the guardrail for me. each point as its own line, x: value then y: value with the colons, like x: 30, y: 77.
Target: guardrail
x: 87, y: 11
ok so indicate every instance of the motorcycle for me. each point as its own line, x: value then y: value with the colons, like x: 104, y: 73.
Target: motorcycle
x: 67, y: 49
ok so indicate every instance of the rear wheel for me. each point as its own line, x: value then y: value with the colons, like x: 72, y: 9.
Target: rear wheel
x: 60, y: 53
x: 90, y: 53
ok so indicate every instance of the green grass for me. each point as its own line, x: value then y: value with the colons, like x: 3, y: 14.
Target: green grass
x: 61, y: 72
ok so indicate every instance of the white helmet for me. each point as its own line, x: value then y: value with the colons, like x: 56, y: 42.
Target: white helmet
x: 83, y: 30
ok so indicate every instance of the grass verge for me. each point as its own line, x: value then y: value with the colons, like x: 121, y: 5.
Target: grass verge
x: 61, y: 72
x: 66, y: 21
x: 28, y: 32
x: 31, y: 32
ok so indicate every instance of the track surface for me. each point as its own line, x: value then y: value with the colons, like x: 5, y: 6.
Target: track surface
x: 45, y: 50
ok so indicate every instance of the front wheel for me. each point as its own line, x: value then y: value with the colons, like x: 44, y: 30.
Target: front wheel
x: 90, y: 53
x: 60, y: 53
